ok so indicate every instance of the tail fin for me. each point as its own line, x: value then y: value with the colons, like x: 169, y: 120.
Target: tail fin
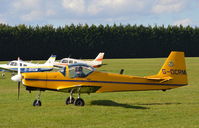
x: 51, y: 60
x: 175, y: 68
x: 99, y: 57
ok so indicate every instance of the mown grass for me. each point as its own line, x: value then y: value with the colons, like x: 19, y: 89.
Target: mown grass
x: 177, y: 108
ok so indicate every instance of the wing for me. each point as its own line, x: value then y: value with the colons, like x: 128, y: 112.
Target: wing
x: 60, y: 65
x: 8, y: 69
x: 79, y: 88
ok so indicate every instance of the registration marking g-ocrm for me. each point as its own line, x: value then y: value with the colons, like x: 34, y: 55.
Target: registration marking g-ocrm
x: 174, y: 71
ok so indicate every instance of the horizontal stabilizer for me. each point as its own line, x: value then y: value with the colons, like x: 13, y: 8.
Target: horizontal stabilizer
x: 161, y: 79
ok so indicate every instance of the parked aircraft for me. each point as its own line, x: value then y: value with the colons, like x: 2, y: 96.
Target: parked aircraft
x: 97, y: 62
x: 27, y: 66
x: 81, y: 78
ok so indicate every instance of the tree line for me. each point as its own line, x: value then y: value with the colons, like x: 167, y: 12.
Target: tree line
x: 86, y: 41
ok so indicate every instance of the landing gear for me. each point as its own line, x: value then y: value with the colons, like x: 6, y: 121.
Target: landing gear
x: 3, y: 75
x: 79, y: 102
x: 37, y: 102
x: 71, y: 100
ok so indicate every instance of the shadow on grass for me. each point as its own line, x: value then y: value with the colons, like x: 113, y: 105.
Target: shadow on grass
x: 174, y: 103
x: 112, y: 103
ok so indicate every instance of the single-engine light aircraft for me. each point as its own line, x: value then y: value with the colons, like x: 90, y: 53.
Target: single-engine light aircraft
x: 12, y: 66
x: 97, y: 62
x: 81, y: 78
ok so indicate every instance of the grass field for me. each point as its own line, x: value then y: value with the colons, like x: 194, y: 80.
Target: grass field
x: 177, y: 108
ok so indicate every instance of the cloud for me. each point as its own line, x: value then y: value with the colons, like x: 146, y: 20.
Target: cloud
x: 50, y: 12
x: 168, y: 6
x: 103, y: 7
x: 33, y: 10
x: 115, y: 6
x: 63, y: 12
x: 26, y: 4
x: 33, y: 15
x: 77, y: 6
x: 183, y: 22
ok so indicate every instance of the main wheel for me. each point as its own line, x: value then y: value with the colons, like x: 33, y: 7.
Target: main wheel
x: 79, y: 102
x: 37, y: 103
x: 70, y: 101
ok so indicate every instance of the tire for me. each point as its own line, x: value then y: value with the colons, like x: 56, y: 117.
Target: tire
x: 37, y: 103
x: 68, y: 100
x: 79, y: 102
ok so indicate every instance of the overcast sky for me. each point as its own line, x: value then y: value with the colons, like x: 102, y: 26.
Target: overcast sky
x: 62, y: 12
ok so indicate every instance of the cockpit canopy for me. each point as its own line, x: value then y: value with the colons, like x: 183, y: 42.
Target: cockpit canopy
x: 77, y: 70
x: 68, y: 61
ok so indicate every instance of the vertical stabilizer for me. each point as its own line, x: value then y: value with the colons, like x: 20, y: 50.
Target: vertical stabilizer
x: 175, y: 68
x: 99, y: 57
x: 51, y: 60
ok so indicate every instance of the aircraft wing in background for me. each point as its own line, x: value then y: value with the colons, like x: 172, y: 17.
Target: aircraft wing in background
x: 7, y: 69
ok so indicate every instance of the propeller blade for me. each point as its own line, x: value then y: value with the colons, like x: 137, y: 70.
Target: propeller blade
x: 18, y: 89
x: 19, y: 70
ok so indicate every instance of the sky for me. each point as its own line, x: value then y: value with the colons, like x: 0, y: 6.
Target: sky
x: 66, y: 12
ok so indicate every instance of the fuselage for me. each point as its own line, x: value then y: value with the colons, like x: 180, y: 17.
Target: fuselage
x: 25, y: 67
x: 107, y: 82
x: 67, y: 61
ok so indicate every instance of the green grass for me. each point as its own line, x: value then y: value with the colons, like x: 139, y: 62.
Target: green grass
x: 177, y: 108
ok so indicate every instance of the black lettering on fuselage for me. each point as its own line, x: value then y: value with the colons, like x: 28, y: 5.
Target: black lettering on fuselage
x: 174, y: 71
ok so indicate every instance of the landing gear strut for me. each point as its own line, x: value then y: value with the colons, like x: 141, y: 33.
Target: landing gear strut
x: 37, y: 102
x: 70, y: 99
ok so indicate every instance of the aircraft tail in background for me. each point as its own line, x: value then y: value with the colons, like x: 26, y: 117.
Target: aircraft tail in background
x: 99, y: 57
x: 51, y: 60
x: 97, y: 62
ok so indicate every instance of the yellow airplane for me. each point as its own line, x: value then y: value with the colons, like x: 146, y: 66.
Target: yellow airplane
x: 81, y: 78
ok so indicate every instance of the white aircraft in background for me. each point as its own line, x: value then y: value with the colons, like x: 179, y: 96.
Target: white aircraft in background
x: 97, y: 62
x: 12, y: 66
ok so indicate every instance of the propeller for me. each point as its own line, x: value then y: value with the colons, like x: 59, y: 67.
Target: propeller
x: 17, y: 78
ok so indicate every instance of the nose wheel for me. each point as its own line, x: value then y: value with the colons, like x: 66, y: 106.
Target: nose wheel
x: 37, y: 102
